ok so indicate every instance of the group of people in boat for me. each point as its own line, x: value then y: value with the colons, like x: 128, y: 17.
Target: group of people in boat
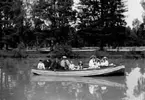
x: 65, y: 64
x: 97, y: 63
x: 57, y: 64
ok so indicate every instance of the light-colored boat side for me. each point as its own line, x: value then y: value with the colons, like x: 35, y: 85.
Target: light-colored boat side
x: 90, y: 72
x: 87, y: 80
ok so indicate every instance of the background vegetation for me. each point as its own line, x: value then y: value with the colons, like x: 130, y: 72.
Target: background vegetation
x: 46, y: 23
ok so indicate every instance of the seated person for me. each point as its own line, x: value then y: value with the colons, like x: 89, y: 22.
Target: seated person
x: 97, y: 63
x: 102, y: 62
x: 64, y: 63
x: 80, y: 65
x: 71, y: 66
x: 105, y: 62
x: 55, y: 65
x: 41, y: 65
x: 93, y: 62
x: 47, y: 63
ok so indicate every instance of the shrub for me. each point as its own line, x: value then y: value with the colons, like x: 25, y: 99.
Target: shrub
x: 63, y: 49
x: 19, y: 51
x: 101, y: 54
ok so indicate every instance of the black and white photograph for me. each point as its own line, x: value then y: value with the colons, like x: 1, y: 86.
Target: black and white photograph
x: 72, y: 49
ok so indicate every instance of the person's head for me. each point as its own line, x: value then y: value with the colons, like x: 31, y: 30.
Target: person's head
x: 105, y: 58
x: 80, y: 63
x: 71, y: 62
x: 64, y: 57
x: 56, y: 59
x: 40, y: 60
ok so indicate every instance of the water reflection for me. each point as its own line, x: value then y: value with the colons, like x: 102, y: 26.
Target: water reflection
x: 13, y: 81
x: 135, y: 82
x: 20, y: 87
x: 73, y: 88
x: 16, y: 84
x: 12, y: 87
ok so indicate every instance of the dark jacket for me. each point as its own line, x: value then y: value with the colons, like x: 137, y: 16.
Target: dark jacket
x: 56, y: 66
x: 47, y: 63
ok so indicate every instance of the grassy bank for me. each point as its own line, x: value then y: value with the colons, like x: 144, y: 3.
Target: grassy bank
x: 79, y: 54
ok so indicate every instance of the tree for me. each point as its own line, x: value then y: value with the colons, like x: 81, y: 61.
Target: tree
x: 101, y: 19
x: 55, y: 17
x: 6, y: 22
x: 143, y: 6
x: 136, y: 24
x: 141, y: 28
x: 13, y: 29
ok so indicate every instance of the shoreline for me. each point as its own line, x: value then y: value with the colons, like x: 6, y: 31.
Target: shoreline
x: 134, y: 48
x: 81, y: 54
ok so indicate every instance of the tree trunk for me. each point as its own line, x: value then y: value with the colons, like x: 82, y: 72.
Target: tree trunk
x: 102, y: 46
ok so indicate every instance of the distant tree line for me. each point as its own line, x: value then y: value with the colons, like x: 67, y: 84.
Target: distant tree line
x: 136, y: 34
x: 46, y: 23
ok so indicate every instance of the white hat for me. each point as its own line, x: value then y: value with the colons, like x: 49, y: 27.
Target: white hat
x: 105, y: 57
x: 93, y: 56
x: 64, y: 57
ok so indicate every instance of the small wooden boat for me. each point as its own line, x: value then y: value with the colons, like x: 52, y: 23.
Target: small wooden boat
x: 86, y: 80
x: 117, y: 70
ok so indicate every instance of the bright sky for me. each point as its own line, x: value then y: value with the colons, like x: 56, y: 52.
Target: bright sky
x: 135, y: 10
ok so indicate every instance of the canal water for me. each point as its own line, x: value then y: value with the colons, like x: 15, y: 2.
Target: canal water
x: 17, y: 83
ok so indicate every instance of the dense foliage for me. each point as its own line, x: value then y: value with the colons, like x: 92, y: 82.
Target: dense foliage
x: 14, y: 28
x: 102, y: 21
x: 46, y: 23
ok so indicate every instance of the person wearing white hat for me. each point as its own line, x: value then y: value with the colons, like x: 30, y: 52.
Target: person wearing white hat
x: 93, y: 62
x: 105, y: 61
x: 64, y: 63
x: 64, y: 57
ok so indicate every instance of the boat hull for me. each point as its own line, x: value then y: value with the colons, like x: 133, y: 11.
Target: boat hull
x: 119, y: 70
